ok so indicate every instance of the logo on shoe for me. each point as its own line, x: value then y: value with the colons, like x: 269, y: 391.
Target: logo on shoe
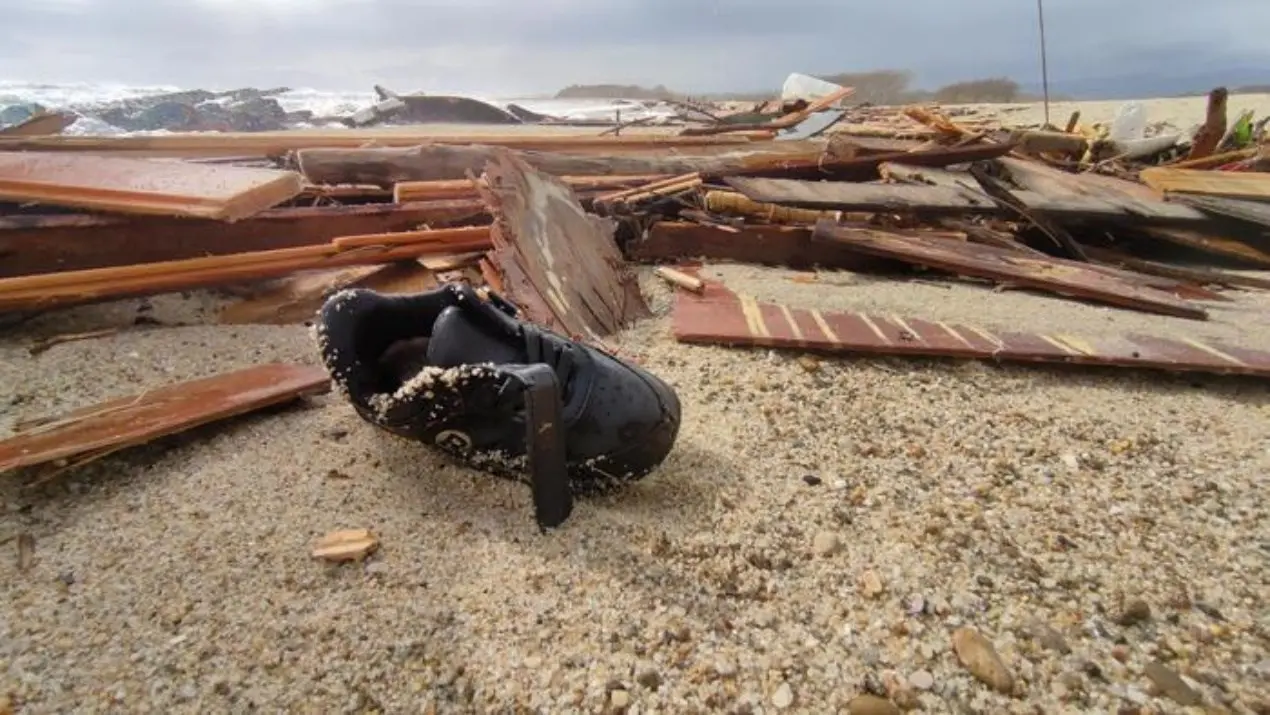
x: 454, y: 440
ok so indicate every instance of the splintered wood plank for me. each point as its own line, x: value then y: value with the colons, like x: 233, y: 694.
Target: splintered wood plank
x: 844, y: 196
x: 149, y: 415
x: 1215, y: 244
x: 558, y: 263
x: 1049, y: 190
x: 140, y: 186
x: 720, y: 317
x: 790, y: 246
x: 1054, y: 275
x: 1229, y: 184
x: 1257, y: 212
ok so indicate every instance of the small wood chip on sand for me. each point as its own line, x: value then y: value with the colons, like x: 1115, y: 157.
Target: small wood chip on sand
x: 980, y: 657
x: 346, y: 545
x: 681, y: 279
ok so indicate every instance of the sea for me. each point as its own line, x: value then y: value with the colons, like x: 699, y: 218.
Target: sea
x: 83, y: 97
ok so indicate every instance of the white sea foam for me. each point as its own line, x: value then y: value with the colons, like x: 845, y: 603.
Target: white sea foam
x: 81, y: 96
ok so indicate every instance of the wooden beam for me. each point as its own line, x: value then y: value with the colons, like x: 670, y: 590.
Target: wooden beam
x: 50, y: 243
x: 139, y: 186
x: 848, y: 196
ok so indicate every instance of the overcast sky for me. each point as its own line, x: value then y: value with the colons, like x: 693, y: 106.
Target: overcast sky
x: 518, y: 47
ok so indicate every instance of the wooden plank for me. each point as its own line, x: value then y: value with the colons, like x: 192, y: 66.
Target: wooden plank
x: 1228, y: 184
x: 1257, y: 212
x: 37, y: 244
x: 139, y: 186
x: 556, y: 262
x: 157, y: 413
x: 1211, y: 243
x: 71, y: 288
x: 405, y: 191
x: 844, y: 196
x: 669, y: 241
x: 281, y: 142
x: 1054, y: 275
x: 1048, y: 190
x: 719, y: 317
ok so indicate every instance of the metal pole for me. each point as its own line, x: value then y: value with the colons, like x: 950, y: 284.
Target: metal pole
x: 1045, y: 71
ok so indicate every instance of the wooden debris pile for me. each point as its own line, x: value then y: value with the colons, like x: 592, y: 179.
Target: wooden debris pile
x: 282, y: 219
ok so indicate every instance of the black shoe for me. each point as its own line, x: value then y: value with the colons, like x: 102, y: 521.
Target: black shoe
x: 456, y: 369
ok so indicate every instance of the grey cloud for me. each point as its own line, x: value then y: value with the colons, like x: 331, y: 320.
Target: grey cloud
x: 512, y: 46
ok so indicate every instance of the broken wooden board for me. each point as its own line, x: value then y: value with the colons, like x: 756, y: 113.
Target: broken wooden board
x: 1050, y: 191
x: 1208, y: 243
x: 1053, y: 275
x: 790, y: 246
x: 846, y: 196
x: 133, y: 420
x: 36, y: 244
x: 558, y: 263
x: 139, y: 186
x: 720, y: 317
x: 298, y: 298
x: 1256, y: 212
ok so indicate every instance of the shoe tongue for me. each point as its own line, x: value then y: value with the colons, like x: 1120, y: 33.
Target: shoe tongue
x: 459, y: 340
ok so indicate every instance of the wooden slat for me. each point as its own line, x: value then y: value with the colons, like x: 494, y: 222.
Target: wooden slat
x: 405, y: 191
x: 845, y: 196
x: 59, y: 289
x: 156, y: 413
x: 719, y: 317
x: 1257, y: 212
x: 1054, y: 275
x: 36, y: 244
x: 139, y: 186
x: 1210, y: 243
x: 560, y: 264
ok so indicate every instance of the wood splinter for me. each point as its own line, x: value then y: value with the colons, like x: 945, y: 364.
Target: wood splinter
x: 680, y: 279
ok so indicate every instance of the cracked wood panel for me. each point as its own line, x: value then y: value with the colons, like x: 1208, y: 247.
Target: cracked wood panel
x: 720, y: 317
x: 142, y: 186
x: 1054, y: 275
x: 558, y: 263
x: 157, y: 413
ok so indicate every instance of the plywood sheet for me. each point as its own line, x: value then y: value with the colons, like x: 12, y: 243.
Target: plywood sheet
x: 720, y: 317
x: 140, y: 186
x: 1054, y: 275
x: 149, y: 415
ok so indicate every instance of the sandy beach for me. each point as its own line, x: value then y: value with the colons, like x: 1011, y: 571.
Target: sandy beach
x: 822, y: 528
